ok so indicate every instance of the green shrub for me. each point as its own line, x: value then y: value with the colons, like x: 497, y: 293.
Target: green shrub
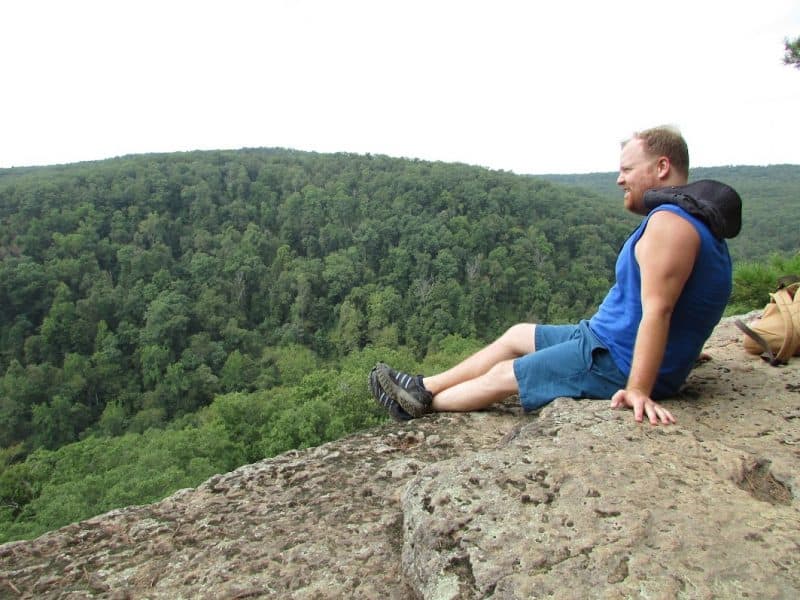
x: 753, y: 281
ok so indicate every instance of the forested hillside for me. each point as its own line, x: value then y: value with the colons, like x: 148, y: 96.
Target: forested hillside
x: 770, y: 204
x: 155, y: 282
x: 166, y: 316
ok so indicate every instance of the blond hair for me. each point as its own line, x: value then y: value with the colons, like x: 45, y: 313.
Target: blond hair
x: 666, y: 140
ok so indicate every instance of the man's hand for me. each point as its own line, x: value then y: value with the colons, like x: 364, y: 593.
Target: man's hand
x: 642, y: 404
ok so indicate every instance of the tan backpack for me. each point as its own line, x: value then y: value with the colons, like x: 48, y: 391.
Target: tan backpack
x: 776, y: 335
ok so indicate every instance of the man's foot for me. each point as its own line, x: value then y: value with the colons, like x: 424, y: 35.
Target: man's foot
x: 384, y: 400
x: 407, y: 390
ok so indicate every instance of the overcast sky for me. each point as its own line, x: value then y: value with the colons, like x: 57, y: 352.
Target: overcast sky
x: 523, y: 86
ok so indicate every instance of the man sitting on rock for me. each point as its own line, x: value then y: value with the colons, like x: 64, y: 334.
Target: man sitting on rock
x: 673, y: 281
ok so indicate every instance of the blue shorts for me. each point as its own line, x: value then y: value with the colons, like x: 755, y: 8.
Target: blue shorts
x: 569, y: 361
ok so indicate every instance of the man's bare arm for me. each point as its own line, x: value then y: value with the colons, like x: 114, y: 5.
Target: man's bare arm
x: 666, y: 253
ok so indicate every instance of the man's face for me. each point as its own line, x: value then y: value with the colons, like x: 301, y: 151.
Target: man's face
x: 638, y: 172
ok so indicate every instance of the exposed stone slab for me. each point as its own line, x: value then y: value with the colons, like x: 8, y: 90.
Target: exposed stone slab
x: 583, y: 503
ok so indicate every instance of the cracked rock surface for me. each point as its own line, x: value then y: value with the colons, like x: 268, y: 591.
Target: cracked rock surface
x: 576, y: 501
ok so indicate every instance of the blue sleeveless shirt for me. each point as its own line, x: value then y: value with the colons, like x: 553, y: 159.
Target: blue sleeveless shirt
x: 696, y: 313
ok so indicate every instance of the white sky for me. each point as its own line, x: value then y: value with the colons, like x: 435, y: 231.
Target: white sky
x: 524, y: 86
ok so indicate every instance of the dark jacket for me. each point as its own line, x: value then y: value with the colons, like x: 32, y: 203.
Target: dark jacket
x: 714, y: 203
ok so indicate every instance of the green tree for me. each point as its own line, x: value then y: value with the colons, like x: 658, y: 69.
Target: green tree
x: 792, y: 55
x: 114, y: 419
x: 16, y: 400
x: 292, y: 363
x: 154, y: 361
x: 167, y: 321
x: 243, y: 417
x: 383, y: 307
x: 63, y: 330
x: 349, y: 332
x: 26, y: 289
x: 239, y: 373
x: 58, y: 421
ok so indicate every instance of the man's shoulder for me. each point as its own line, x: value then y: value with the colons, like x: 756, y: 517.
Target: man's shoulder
x: 671, y: 221
x: 668, y: 239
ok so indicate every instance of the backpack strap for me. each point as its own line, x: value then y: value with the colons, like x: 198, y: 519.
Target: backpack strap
x: 767, y: 355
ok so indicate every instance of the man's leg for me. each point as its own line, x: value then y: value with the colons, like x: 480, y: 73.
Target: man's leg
x: 517, y: 341
x: 477, y: 382
x: 498, y: 383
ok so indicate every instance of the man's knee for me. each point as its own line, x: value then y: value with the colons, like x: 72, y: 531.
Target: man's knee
x: 520, y: 338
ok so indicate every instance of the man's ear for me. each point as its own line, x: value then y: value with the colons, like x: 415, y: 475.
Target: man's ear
x: 664, y: 167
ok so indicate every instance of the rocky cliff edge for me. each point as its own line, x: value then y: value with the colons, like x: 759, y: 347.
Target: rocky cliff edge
x: 575, y: 501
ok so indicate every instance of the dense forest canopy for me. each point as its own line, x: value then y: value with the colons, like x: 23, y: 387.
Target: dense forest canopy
x: 163, y: 317
x: 155, y: 282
